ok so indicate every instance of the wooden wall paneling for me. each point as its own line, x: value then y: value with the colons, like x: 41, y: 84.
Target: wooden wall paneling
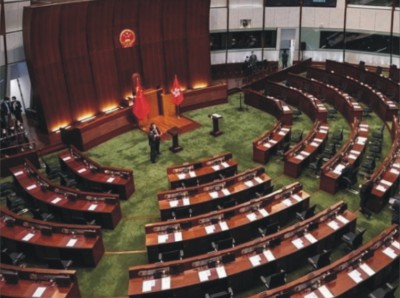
x: 150, y: 36
x: 198, y: 43
x: 126, y: 16
x: 45, y: 66
x: 101, y: 52
x: 75, y: 59
x: 174, y: 42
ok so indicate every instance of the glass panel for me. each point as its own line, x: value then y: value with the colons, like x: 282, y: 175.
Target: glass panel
x: 374, y: 2
x: 269, y: 39
x: 244, y: 40
x: 218, y: 41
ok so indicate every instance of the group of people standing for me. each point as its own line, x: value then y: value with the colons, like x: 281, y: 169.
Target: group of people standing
x: 10, y: 109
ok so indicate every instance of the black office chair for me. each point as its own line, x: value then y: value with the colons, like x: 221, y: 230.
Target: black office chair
x: 309, y: 212
x: 320, y: 260
x: 353, y: 240
x: 270, y: 228
x: 337, y: 135
x: 39, y: 215
x: 58, y: 263
x: 332, y: 113
x: 65, y: 180
x: 274, y: 280
x: 51, y: 171
x: 223, y: 244
x: 171, y: 255
x: 80, y: 220
x: 316, y: 165
x: 6, y: 188
x: 367, y: 111
x: 296, y: 137
x: 181, y: 212
x: 296, y: 113
x: 11, y: 258
x: 283, y: 148
x: 386, y: 291
x: 225, y: 293
x: 15, y: 203
x: 227, y: 204
x: 378, y: 133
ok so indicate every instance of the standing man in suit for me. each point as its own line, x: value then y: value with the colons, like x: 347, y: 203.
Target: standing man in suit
x: 16, y: 108
x: 154, y: 141
x: 5, y: 112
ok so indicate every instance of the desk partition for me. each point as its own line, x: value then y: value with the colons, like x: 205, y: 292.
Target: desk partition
x: 194, y: 235
x: 241, y: 265
x: 41, y: 239
x: 93, y: 176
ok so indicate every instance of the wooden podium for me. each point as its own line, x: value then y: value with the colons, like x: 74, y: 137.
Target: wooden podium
x: 173, y: 132
x: 215, y: 119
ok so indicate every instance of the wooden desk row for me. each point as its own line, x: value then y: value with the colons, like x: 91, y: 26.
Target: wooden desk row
x: 340, y: 100
x: 207, y: 170
x: 36, y: 282
x: 367, y: 267
x: 269, y: 104
x: 41, y: 239
x: 386, y: 177
x: 93, y: 176
x: 297, y: 158
x: 207, y: 197
x: 385, y: 85
x: 64, y: 202
x: 348, y: 156
x: 285, y: 249
x: 194, y: 235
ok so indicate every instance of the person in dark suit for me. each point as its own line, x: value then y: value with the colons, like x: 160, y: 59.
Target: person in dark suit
x: 16, y: 109
x: 5, y: 112
x: 365, y: 192
x: 285, y: 58
x: 154, y: 141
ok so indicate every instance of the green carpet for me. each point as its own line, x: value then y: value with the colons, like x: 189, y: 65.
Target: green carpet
x: 125, y: 245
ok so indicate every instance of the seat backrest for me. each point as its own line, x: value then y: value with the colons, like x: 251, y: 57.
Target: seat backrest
x: 276, y: 280
x: 171, y: 255
x: 225, y: 243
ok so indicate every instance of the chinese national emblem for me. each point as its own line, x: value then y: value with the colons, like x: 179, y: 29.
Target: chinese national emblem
x: 127, y: 38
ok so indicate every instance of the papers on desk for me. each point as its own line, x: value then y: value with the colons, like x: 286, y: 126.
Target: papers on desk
x: 82, y: 170
x: 92, y: 207
x: 28, y: 237
x: 181, y: 176
x: 162, y: 238
x: 390, y: 252
x: 186, y: 201
x: 361, y: 140
x: 39, y: 292
x: 213, y: 194
x: 268, y: 255
x: 352, y: 156
x: 310, y: 238
x: 281, y: 133
x: 203, y: 275
x: 299, y: 156
x: 56, y: 200
x: 225, y: 164
x: 272, y: 141
x: 305, y: 153
x: 111, y: 179
x: 314, y: 144
x: 333, y: 225
x: 249, y: 183
x: 251, y: 216
x: 173, y: 203
x: 30, y: 187
x: 210, y: 229
x: 394, y: 171
x: 297, y: 198
x: 259, y: 180
x: 287, y: 202
x: 355, y: 275
x: 66, y: 158
x: 18, y: 173
x: 367, y: 269
x: 221, y: 271
x: 343, y: 219
x: 226, y: 192
x: 147, y: 285
x: 385, y: 182
x: 298, y: 243
x: 192, y: 174
x: 255, y: 260
x: 166, y: 283
x: 267, y: 145
x: 339, y: 168
x: 311, y: 295
x: 285, y: 108
x: 216, y: 167
x: 325, y: 292
x: 381, y: 188
x: 223, y: 225
x: 396, y: 244
x: 263, y: 212
x: 72, y: 242
x: 318, y: 140
x: 178, y: 236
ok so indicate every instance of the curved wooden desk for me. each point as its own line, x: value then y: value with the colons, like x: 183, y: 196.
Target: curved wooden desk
x: 297, y: 158
x: 37, y: 282
x: 93, y: 176
x: 239, y: 222
x: 65, y: 202
x: 206, y: 170
x: 190, y: 277
x: 349, y: 155
x: 367, y: 267
x: 82, y: 244
x: 206, y: 197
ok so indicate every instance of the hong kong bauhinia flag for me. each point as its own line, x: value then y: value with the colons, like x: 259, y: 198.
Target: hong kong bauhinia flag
x: 140, y: 108
x: 176, y: 92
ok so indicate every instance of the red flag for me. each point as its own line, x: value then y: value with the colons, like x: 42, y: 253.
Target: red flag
x: 176, y: 92
x: 140, y: 108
